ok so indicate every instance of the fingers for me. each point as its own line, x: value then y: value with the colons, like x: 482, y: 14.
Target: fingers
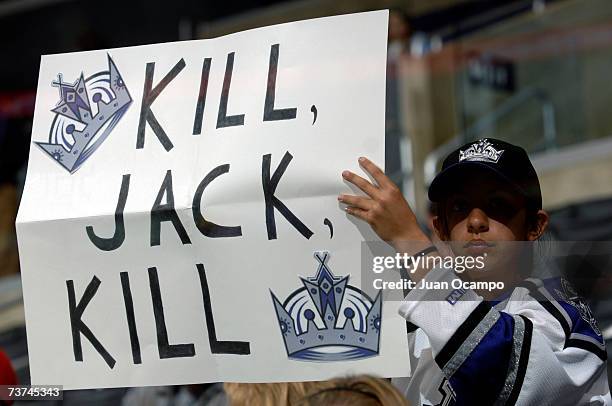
x: 360, y: 202
x: 367, y: 208
x: 361, y: 183
x: 359, y: 213
x: 376, y: 172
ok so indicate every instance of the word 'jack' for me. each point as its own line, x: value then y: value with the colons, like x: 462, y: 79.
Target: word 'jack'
x: 165, y: 212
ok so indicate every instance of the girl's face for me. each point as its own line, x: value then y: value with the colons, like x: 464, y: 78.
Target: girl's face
x: 489, y: 210
x: 487, y: 217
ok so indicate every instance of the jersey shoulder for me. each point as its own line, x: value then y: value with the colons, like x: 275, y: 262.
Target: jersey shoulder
x: 558, y: 297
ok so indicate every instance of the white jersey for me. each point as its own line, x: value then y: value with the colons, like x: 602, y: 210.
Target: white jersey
x: 539, y: 346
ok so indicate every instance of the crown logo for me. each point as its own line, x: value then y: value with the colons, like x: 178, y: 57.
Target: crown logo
x: 86, y: 114
x: 329, y: 320
x: 481, y: 150
x: 571, y: 296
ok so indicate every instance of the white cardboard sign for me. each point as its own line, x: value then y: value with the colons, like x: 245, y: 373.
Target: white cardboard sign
x: 179, y: 222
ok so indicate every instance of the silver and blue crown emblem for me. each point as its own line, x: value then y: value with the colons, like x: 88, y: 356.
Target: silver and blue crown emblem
x: 481, y: 150
x: 571, y: 296
x: 86, y: 114
x: 329, y: 320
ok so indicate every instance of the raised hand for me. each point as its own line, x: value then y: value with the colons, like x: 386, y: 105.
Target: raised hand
x: 383, y: 207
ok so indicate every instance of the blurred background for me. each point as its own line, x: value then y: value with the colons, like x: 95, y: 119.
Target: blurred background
x: 533, y: 72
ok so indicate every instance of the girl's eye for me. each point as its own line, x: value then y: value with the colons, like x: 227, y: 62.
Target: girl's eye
x: 498, y: 203
x: 501, y: 207
x: 459, y: 206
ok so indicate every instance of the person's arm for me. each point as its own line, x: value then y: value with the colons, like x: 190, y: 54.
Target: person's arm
x: 489, y: 356
x: 523, y: 356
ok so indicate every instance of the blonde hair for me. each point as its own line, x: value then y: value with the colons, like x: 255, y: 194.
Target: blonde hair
x: 360, y: 390
x: 268, y: 394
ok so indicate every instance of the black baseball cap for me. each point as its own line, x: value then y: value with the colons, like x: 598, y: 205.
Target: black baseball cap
x: 504, y: 160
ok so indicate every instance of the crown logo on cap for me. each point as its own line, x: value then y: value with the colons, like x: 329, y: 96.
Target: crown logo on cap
x: 87, y: 112
x: 329, y: 320
x: 481, y: 150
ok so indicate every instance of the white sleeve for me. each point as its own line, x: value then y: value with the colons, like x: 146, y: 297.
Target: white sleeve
x: 533, y: 353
